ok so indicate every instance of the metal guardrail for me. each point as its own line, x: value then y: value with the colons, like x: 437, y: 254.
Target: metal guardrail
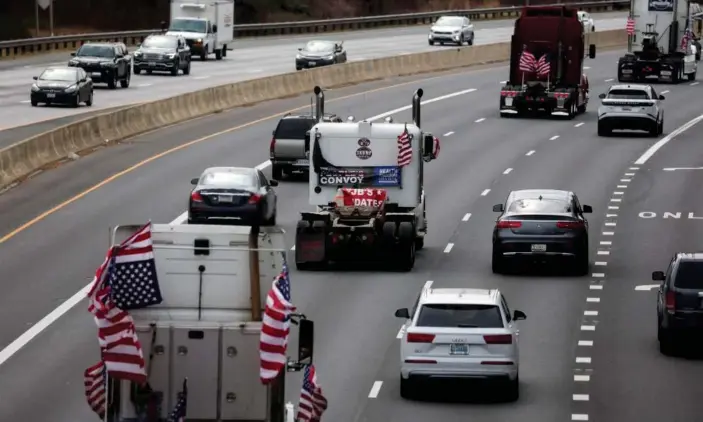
x: 31, y: 46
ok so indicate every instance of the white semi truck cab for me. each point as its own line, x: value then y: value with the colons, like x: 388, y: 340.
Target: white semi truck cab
x: 367, y: 192
x: 207, y: 25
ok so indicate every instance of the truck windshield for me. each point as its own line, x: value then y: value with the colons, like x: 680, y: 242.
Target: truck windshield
x: 627, y: 94
x: 189, y: 25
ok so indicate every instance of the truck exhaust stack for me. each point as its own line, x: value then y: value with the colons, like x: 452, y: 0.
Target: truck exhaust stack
x: 416, y: 107
x: 319, y: 103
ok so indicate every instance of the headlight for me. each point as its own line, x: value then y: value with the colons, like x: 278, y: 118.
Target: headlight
x: 298, y: 56
x: 330, y: 57
x: 72, y: 62
x: 35, y: 87
x: 199, y: 40
x: 71, y: 88
x: 171, y: 56
x: 137, y: 54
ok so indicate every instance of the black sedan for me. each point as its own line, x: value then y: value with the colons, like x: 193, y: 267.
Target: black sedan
x: 241, y: 195
x: 62, y: 85
x: 538, y: 224
x: 320, y: 53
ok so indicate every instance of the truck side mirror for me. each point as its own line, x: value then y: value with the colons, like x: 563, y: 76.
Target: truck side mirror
x: 214, y: 29
x: 306, y: 340
x: 658, y: 276
x: 428, y: 146
x: 592, y: 51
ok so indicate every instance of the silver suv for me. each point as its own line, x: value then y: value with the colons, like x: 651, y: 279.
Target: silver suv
x: 631, y: 107
x: 452, y: 29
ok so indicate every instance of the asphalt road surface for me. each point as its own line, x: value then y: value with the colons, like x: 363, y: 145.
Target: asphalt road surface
x: 483, y: 158
x: 250, y: 59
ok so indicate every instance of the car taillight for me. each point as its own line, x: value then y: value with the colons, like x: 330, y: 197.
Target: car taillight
x: 420, y: 338
x: 498, y: 339
x: 196, y: 197
x: 272, y: 146
x: 570, y: 225
x: 254, y: 199
x: 508, y: 224
x: 670, y: 300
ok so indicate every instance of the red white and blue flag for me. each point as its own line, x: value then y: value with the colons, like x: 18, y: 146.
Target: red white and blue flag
x: 95, y: 382
x: 543, y: 66
x: 405, y: 151
x: 312, y: 402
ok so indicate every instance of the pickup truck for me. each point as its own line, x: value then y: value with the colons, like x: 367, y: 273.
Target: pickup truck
x: 289, y: 149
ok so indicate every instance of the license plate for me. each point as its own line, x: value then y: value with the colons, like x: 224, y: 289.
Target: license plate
x: 627, y: 109
x: 509, y: 102
x: 96, y: 74
x: 539, y: 248
x: 50, y: 95
x: 302, y: 163
x: 458, y: 349
x: 225, y: 198
x: 312, y: 63
x: 666, y: 72
x: 152, y: 64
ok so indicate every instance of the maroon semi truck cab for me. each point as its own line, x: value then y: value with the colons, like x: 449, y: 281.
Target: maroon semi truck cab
x: 546, y: 64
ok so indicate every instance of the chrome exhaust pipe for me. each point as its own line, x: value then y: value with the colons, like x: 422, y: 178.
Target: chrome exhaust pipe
x: 416, y: 106
x: 319, y: 103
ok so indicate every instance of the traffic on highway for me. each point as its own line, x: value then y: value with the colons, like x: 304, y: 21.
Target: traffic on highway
x: 521, y: 267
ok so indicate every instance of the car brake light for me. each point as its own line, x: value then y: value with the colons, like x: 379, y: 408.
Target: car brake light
x: 254, y: 198
x: 498, y: 339
x: 272, y: 146
x: 196, y: 197
x: 496, y: 362
x: 670, y: 300
x: 420, y: 361
x: 570, y: 225
x: 508, y: 224
x: 420, y: 338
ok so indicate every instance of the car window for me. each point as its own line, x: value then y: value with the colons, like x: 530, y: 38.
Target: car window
x: 627, y: 94
x: 689, y: 275
x: 506, y: 310
x: 459, y: 315
x: 536, y: 205
x: 64, y: 75
x: 319, y: 46
x: 92, y: 50
x: 228, y: 179
x: 293, y: 128
x: 449, y: 21
x: 262, y: 179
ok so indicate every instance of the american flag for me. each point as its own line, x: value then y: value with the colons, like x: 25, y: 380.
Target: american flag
x: 312, y: 402
x: 276, y: 327
x: 405, y: 151
x: 435, y: 147
x: 95, y: 381
x: 179, y: 412
x: 630, y: 27
x: 687, y: 35
x: 527, y: 61
x: 543, y: 66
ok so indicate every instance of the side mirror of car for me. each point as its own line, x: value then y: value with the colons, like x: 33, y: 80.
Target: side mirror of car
x: 300, y: 48
x: 273, y: 183
x: 587, y: 209
x: 661, y: 97
x: 193, y: 181
x: 73, y: 54
x: 518, y: 315
x: 601, y: 96
x: 83, y: 80
x: 428, y: 146
x: 402, y: 313
x: 658, y: 276
x: 214, y: 29
x: 498, y: 208
x: 35, y: 77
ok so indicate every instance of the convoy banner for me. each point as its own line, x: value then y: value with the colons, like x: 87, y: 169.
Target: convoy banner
x: 364, y: 176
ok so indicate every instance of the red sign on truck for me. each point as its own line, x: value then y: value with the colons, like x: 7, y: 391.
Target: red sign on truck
x: 374, y: 198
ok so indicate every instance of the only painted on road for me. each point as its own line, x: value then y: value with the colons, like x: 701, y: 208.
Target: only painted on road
x: 671, y: 215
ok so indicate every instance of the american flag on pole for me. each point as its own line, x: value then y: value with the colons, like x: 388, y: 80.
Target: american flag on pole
x: 405, y: 151
x: 687, y: 35
x: 179, y: 412
x: 312, y: 402
x: 528, y: 62
x: 276, y: 327
x: 543, y: 66
x: 95, y: 381
x: 630, y: 27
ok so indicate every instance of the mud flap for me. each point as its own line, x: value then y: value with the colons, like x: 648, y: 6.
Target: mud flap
x: 310, y: 243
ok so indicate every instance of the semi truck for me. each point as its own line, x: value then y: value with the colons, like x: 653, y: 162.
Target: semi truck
x: 214, y: 281
x: 366, y: 185
x: 661, y: 47
x: 206, y: 25
x: 547, y: 53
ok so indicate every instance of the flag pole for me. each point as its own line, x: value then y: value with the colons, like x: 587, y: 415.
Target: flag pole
x: 107, y: 396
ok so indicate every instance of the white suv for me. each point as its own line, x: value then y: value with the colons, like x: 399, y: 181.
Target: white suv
x: 459, y: 333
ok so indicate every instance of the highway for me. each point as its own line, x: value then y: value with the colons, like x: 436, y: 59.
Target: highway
x: 249, y: 59
x: 598, y: 326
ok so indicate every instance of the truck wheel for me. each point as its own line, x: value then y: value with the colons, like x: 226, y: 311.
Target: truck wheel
x: 582, y: 107
x: 419, y: 243
x: 124, y: 83
x: 692, y: 76
x: 218, y: 54
x: 186, y: 70
x: 203, y: 55
x: 276, y: 172
x: 405, y: 248
x: 224, y: 51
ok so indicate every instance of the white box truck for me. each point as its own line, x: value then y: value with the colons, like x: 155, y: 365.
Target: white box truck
x: 207, y: 25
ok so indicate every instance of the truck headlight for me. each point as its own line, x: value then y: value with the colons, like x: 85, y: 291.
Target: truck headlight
x: 35, y: 87
x: 171, y: 56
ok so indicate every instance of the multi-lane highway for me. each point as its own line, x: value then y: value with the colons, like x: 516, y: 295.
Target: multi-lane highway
x: 588, y: 346
x: 250, y: 58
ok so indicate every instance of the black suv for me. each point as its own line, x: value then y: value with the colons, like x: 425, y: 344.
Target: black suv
x: 104, y: 63
x: 680, y: 300
x: 163, y: 53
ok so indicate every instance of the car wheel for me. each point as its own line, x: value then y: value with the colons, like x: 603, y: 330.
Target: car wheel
x: 137, y: 71
x: 661, y: 127
x: 582, y: 262
x: 124, y: 83
x: 513, y: 389
x: 112, y: 83
x: 430, y: 42
x: 76, y: 101
x: 654, y: 130
x: 667, y: 345
x: 497, y: 262
x: 89, y: 101
x: 186, y: 70
x: 34, y: 103
x: 276, y: 172
x: 174, y: 71
x: 408, y: 388
x: 471, y: 40
x: 461, y: 40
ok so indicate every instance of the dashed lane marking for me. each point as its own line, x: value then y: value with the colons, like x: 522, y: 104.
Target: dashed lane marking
x: 606, y: 242
x: 582, y: 378
x: 608, y: 233
x: 579, y: 417
x: 485, y: 192
x: 554, y: 137
x: 590, y: 313
x: 579, y: 124
x: 480, y: 120
x: 580, y: 397
x: 375, y: 389
x: 629, y: 174
x: 600, y: 263
x: 613, y: 207
x: 585, y: 343
x: 610, y: 80
x: 466, y: 216
x: 646, y: 287
x: 448, y: 248
x: 666, y: 91
x: 596, y: 287
x: 583, y: 360
x: 694, y: 83
x: 598, y: 275
x: 530, y: 153
x: 508, y: 170
x: 449, y: 133
x: 593, y: 299
x: 588, y: 328
x: 626, y: 180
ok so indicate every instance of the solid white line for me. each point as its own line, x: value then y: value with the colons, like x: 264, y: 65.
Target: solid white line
x: 596, y: 287
x: 606, y: 242
x: 448, y: 248
x: 449, y: 133
x: 582, y: 378
x: 598, y: 275
x: 601, y: 263
x: 583, y: 360
x: 608, y: 233
x: 579, y: 417
x: 646, y: 287
x: 554, y: 137
x: 202, y: 77
x: 485, y: 192
x: 588, y: 328
x: 375, y: 389
x: 508, y: 170
x: 593, y: 299
x: 580, y: 397
x: 466, y: 216
x: 480, y: 120
x: 665, y: 140
x: 578, y: 124
x: 609, y: 80
x: 613, y: 207
x: 603, y: 252
x: 407, y: 107
x: 530, y: 152
x: 590, y: 313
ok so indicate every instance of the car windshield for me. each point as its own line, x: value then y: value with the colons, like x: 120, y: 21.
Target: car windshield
x: 689, y: 275
x: 293, y: 128
x: 449, y: 21
x: 627, y: 94
x: 228, y: 179
x: 64, y: 75
x: 539, y: 206
x: 96, y: 51
x: 188, y: 25
x: 459, y: 315
x: 160, y: 42
x: 319, y: 46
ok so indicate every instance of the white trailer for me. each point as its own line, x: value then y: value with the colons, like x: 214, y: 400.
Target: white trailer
x: 207, y: 25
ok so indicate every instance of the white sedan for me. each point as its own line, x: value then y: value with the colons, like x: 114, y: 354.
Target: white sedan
x: 586, y: 21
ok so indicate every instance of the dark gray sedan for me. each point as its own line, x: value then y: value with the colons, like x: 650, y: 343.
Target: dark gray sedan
x: 539, y: 224
x: 242, y: 196
x: 320, y: 53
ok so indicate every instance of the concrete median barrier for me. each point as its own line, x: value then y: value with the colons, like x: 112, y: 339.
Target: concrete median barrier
x: 26, y: 157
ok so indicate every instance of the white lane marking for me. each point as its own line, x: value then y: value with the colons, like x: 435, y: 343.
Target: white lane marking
x: 598, y: 275
x: 613, y: 207
x: 580, y: 397
x: 611, y: 224
x: 480, y: 120
x: 144, y: 85
x: 292, y: 248
x: 585, y: 343
x: 579, y: 417
x: 590, y: 313
x: 586, y: 67
x: 611, y: 215
x: 554, y: 137
x: 629, y: 174
x: 579, y: 124
x: 665, y: 140
x: 634, y: 168
x: 485, y: 192
x: 596, y: 287
x: 448, y: 248
x: 582, y: 378
x: 530, y: 153
x: 615, y: 199
x: 588, y: 328
x: 26, y: 101
x: 622, y: 186
x: 508, y: 170
x: 606, y: 242
x: 407, y: 107
x: 665, y: 91
x: 583, y: 360
x: 618, y: 193
x: 375, y: 389
x: 608, y: 233
x: 503, y: 82
x: 202, y: 77
x: 600, y: 263
x: 466, y: 216
x: 626, y: 180
x: 609, y: 80
x: 694, y: 83
x: 603, y: 252
x: 676, y: 168
x: 646, y: 287
x: 593, y: 299
x: 449, y: 133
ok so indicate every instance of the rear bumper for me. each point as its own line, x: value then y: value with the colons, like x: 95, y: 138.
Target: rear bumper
x: 243, y: 214
x: 547, y: 103
x: 523, y: 247
x: 629, y: 122
x: 685, y: 323
x: 471, y: 369
x: 297, y: 164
